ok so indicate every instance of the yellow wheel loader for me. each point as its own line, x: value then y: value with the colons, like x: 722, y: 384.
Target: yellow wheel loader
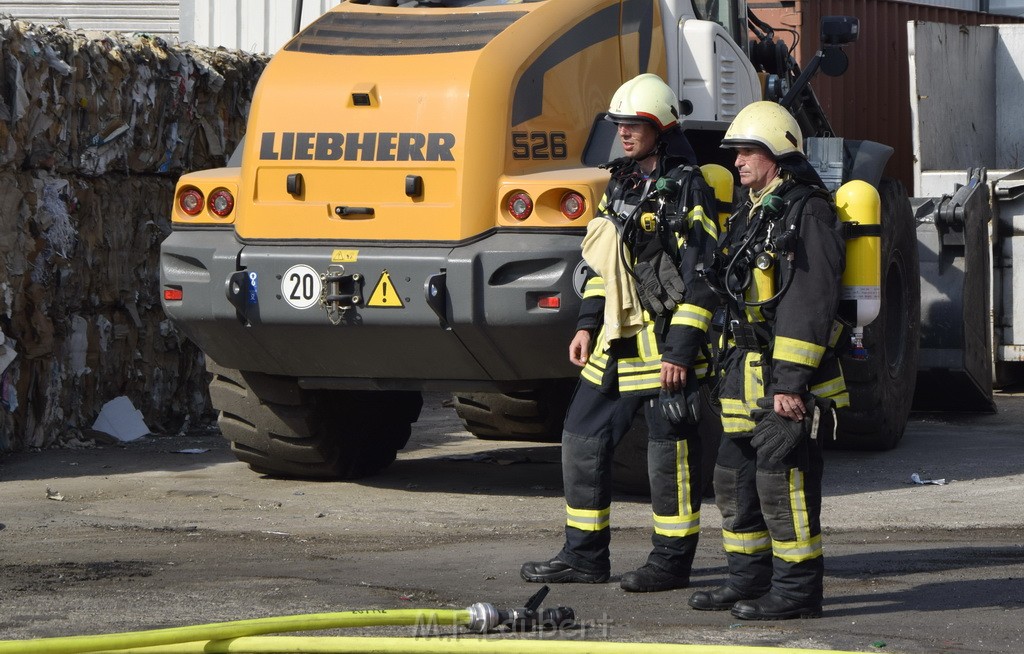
x: 407, y: 209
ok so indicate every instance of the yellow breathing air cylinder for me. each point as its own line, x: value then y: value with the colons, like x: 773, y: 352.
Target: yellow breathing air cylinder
x: 859, y: 203
x: 721, y: 180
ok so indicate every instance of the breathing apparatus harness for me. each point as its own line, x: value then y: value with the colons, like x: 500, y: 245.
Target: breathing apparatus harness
x: 649, y: 236
x: 769, y: 237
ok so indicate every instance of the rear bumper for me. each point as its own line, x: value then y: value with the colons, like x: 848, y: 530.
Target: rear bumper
x: 481, y: 329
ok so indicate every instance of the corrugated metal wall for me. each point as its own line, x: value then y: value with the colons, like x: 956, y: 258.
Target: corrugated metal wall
x: 158, y: 17
x: 872, y: 100
x: 1013, y: 7
x: 251, y: 25
x: 963, y: 5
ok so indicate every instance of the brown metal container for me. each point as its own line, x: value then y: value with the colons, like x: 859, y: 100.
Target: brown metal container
x: 872, y: 100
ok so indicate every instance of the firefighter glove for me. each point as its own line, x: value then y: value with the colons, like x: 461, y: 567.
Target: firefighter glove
x: 659, y: 284
x: 775, y: 436
x: 681, y: 406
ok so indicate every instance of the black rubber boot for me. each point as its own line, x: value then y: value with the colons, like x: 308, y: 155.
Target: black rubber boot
x: 719, y: 599
x: 650, y: 579
x: 557, y: 571
x: 775, y: 607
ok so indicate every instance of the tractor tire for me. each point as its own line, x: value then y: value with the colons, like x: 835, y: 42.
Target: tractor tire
x: 882, y: 385
x: 280, y: 429
x: 535, y: 415
x: 629, y: 464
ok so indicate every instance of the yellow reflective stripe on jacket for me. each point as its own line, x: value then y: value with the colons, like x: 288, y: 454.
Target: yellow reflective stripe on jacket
x: 735, y: 416
x: 639, y: 373
x: 698, y: 216
x: 842, y: 400
x: 752, y: 543
x: 700, y: 368
x: 642, y: 379
x: 835, y: 390
x: 736, y: 410
x: 803, y: 353
x: 647, y: 343
x: 593, y: 288
x: 837, y: 331
x: 597, y: 362
x: 736, y: 424
x: 687, y: 522
x: 592, y: 373
x: 587, y: 519
x: 753, y: 380
x: 693, y: 316
x: 798, y: 550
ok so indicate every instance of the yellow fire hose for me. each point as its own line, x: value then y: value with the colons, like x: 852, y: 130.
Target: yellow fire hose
x: 248, y: 636
x: 223, y: 631
x: 451, y: 645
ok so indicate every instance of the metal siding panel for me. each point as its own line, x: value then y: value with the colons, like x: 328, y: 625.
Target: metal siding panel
x: 158, y: 17
x: 1009, y: 71
x: 1014, y: 7
x: 964, y: 5
x: 956, y: 109
x: 252, y: 25
x: 872, y: 100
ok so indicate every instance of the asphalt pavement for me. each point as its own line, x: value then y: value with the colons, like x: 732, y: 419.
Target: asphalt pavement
x: 170, y: 530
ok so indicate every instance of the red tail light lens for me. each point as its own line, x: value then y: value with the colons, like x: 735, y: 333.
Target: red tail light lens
x: 221, y: 202
x: 191, y: 201
x: 173, y: 294
x: 572, y: 205
x: 549, y: 302
x: 520, y: 205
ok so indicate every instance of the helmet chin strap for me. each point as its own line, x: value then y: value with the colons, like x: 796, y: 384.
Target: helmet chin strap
x: 653, y: 153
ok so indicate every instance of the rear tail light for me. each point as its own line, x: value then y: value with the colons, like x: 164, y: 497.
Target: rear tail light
x: 173, y: 294
x: 191, y: 201
x: 520, y: 205
x: 549, y: 302
x: 572, y: 205
x: 221, y: 202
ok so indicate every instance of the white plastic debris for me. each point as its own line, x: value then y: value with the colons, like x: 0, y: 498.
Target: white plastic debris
x: 916, y: 478
x: 7, y: 353
x: 121, y: 419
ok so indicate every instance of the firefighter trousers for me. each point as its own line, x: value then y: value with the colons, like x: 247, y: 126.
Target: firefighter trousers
x: 771, y: 519
x: 594, y: 426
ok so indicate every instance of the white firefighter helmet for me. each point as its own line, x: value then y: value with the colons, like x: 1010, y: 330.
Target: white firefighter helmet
x: 767, y: 125
x: 645, y: 98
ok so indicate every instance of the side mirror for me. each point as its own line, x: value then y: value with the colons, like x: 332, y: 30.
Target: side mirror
x: 834, y: 61
x: 836, y: 32
x: 839, y: 30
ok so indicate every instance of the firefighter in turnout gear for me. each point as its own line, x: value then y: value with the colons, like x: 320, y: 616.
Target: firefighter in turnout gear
x: 778, y: 270
x: 640, y: 339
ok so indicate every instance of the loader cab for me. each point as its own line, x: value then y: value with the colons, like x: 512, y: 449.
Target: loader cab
x: 708, y: 67
x: 730, y: 14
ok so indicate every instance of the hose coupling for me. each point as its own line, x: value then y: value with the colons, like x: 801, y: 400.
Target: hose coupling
x: 483, y: 617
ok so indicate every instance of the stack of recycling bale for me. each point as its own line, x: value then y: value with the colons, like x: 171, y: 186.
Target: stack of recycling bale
x: 95, y: 128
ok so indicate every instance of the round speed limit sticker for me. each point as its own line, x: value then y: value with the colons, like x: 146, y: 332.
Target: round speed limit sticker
x: 301, y: 286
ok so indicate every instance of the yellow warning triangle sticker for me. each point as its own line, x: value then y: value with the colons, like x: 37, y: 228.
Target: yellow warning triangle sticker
x: 384, y: 294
